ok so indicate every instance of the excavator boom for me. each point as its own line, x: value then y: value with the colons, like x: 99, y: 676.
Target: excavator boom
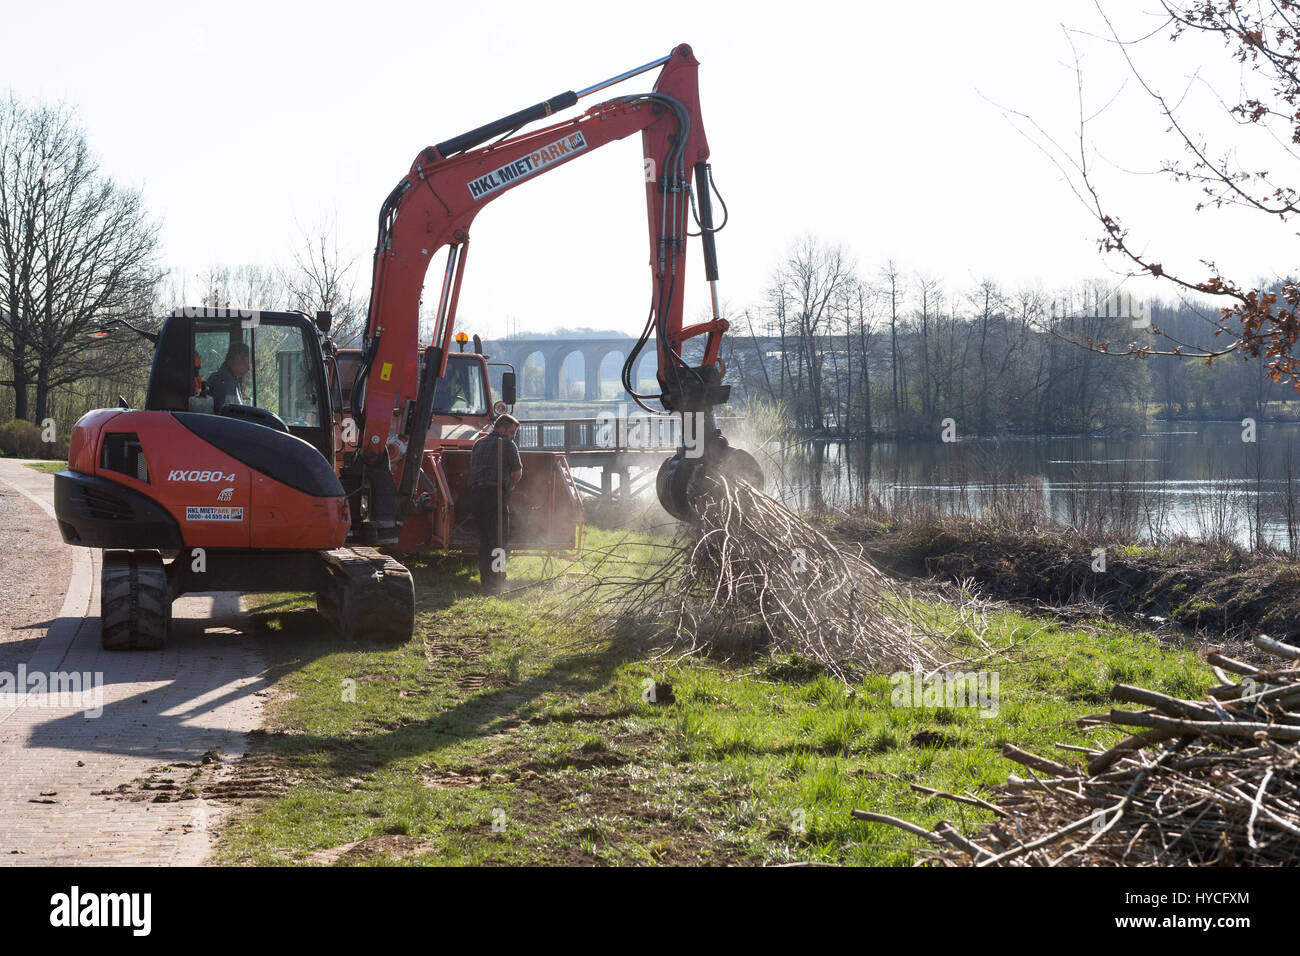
x: 434, y: 206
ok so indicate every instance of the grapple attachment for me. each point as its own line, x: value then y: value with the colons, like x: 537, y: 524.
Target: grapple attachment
x: 685, y: 481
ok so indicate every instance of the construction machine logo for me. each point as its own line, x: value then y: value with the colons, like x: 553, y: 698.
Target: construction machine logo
x: 209, y: 513
x: 521, y: 168
x: 182, y: 475
x: 226, y: 494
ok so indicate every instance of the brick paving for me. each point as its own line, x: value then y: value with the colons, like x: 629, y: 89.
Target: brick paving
x: 198, y: 695
x: 34, y: 568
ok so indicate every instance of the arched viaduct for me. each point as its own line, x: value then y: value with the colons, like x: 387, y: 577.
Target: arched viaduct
x: 554, y: 352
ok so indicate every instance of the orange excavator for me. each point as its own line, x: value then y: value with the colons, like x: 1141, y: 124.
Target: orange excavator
x: 336, y: 453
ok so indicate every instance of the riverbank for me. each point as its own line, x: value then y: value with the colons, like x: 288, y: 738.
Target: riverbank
x: 512, y: 731
x: 1218, y: 588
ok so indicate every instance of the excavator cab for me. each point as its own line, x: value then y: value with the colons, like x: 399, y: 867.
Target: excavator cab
x: 262, y: 367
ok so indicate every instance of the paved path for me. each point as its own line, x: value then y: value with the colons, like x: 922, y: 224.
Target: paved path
x: 34, y: 566
x: 60, y: 770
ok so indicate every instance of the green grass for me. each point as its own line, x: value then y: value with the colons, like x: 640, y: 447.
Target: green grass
x: 49, y: 467
x: 497, y: 736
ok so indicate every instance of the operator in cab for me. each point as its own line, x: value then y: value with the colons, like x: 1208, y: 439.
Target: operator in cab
x: 224, y: 382
x: 494, y: 469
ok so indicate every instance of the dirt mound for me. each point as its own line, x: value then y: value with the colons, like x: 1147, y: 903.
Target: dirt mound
x: 382, y: 846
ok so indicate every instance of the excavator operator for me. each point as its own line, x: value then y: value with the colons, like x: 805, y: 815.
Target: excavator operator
x: 494, y: 469
x: 224, y: 382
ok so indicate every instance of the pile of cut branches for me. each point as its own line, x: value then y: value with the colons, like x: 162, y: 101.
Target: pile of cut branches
x: 1211, y: 782
x: 749, y: 574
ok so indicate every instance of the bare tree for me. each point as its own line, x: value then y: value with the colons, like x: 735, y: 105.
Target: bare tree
x: 1264, y: 38
x: 804, y: 292
x: 864, y: 300
x: 322, y: 280
x: 987, y: 300
x: 75, y: 250
x: 929, y: 301
x: 248, y: 286
x: 892, y: 277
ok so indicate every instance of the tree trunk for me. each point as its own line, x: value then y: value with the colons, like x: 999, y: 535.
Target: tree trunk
x: 20, y: 385
x: 42, y: 394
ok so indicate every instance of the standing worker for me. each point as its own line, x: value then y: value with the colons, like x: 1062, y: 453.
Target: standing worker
x: 494, y: 468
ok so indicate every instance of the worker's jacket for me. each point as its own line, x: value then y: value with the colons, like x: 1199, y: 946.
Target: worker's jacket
x: 493, y: 459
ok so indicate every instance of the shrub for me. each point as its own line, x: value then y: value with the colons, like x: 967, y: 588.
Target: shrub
x: 22, y: 439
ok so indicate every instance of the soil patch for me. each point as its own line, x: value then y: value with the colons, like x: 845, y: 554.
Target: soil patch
x: 391, y: 846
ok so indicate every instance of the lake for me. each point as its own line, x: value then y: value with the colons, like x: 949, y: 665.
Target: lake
x: 1200, y: 479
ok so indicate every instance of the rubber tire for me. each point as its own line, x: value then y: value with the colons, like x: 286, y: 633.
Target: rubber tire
x: 135, y: 603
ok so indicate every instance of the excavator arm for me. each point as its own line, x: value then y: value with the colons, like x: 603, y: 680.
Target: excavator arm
x: 435, y: 204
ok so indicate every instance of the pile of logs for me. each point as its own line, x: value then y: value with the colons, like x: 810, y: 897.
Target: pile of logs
x: 1209, y: 782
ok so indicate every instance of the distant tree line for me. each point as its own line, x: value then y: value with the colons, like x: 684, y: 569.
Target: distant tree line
x: 840, y: 350
x: 897, y: 353
x: 78, y: 250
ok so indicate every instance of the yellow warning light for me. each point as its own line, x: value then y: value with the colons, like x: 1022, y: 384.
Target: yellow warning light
x: 462, y: 337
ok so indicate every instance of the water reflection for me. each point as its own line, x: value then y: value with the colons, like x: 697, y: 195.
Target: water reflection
x: 1198, y: 480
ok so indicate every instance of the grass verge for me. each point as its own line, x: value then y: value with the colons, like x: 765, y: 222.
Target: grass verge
x: 502, y: 736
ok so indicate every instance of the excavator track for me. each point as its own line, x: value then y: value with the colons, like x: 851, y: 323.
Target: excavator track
x: 371, y: 598
x: 135, y: 601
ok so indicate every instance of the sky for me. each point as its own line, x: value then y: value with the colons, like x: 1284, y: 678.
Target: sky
x: 892, y: 129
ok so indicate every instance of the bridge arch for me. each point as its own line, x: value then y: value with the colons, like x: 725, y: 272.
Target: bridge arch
x: 530, y: 368
x: 602, y: 371
x: 595, y: 358
x: 645, y: 368
x: 556, y: 358
x: 540, y: 362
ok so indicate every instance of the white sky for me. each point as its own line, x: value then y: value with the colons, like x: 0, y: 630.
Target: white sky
x: 867, y: 124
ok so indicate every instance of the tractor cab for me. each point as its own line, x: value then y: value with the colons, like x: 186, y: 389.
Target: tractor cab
x: 462, y: 400
x: 263, y: 367
x: 463, y: 391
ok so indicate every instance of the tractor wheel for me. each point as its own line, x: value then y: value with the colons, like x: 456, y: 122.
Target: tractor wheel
x: 135, y: 602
